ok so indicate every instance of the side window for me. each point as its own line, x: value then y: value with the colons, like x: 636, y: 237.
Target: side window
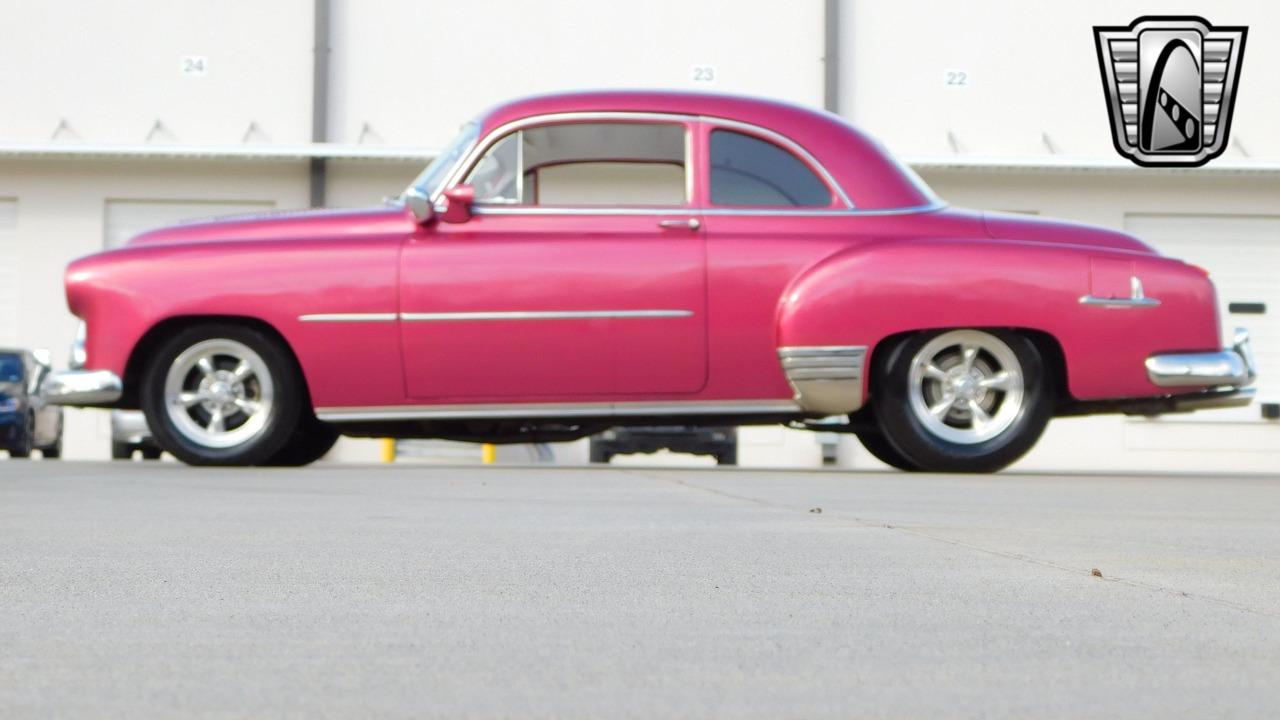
x: 746, y: 170
x: 585, y: 164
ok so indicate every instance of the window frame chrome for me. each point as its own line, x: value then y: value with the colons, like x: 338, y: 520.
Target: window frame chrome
x: 485, y: 142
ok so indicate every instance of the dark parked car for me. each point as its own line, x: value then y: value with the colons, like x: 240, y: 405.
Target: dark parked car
x: 27, y: 421
x: 720, y: 443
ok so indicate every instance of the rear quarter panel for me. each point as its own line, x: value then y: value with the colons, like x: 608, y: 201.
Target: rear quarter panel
x: 863, y: 295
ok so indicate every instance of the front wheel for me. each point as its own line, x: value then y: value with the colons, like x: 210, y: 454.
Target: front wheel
x: 961, y: 400
x: 222, y: 394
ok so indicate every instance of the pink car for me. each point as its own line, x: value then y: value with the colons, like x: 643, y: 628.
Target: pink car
x: 577, y: 261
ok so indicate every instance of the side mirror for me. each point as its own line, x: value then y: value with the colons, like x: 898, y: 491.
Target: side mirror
x: 419, y: 204
x: 460, y: 199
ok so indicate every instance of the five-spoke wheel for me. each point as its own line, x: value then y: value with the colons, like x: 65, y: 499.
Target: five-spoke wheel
x: 219, y: 393
x: 224, y: 394
x: 958, y: 400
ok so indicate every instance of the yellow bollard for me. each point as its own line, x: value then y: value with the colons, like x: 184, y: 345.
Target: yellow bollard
x: 488, y: 453
x: 388, y: 450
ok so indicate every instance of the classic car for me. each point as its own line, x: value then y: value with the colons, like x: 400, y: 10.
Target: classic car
x: 27, y: 420
x: 573, y: 262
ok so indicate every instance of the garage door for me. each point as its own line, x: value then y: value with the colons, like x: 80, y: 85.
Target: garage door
x: 126, y: 218
x: 1242, y: 255
x: 8, y: 272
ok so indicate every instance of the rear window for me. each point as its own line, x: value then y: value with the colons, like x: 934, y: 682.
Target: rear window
x: 746, y: 171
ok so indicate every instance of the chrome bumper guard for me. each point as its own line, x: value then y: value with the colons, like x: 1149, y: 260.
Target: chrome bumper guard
x: 1224, y: 374
x: 82, y: 387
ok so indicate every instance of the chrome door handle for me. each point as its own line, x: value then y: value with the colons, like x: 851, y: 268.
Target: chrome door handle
x: 687, y: 224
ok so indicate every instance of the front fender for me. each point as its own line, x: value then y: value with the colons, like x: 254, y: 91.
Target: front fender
x: 122, y: 295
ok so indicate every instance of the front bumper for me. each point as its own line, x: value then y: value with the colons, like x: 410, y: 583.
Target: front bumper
x: 1225, y: 375
x: 86, y: 388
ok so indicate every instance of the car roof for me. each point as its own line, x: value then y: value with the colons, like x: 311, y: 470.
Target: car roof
x: 860, y: 165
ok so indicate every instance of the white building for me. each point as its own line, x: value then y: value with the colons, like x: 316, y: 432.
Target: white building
x: 122, y: 116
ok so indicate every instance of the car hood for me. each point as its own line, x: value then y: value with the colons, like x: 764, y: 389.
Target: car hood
x: 1007, y: 226
x: 302, y: 224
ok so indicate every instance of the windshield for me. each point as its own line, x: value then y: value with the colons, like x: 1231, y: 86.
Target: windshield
x: 10, y: 368
x: 430, y: 180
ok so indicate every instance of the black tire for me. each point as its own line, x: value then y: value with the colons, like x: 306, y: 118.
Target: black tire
x: 54, y: 451
x: 880, y: 449
x: 907, y: 437
x: 22, y: 450
x: 121, y: 451
x: 277, y: 426
x: 727, y: 457
x: 150, y: 453
x: 600, y: 454
x: 310, y: 442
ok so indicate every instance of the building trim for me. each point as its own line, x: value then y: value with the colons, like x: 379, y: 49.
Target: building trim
x: 408, y: 153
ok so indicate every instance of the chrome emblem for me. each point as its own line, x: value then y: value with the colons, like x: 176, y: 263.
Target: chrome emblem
x: 1170, y: 84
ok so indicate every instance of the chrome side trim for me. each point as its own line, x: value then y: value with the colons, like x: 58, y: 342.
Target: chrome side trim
x: 82, y: 387
x: 496, y: 411
x: 836, y: 212
x: 492, y: 315
x: 1118, y: 302
x: 542, y: 315
x: 1137, y: 298
x: 348, y: 317
x: 826, y: 379
x: 1232, y: 366
x: 705, y: 212
x: 602, y: 210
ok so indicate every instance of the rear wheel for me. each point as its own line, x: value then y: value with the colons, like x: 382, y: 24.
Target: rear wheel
x: 151, y: 453
x: 310, y: 442
x: 121, y: 451
x: 727, y: 457
x: 961, y: 400
x: 222, y: 394
x: 600, y: 454
x: 54, y: 451
x: 880, y: 449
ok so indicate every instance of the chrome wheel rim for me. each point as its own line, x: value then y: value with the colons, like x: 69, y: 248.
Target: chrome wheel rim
x: 218, y: 394
x: 966, y: 386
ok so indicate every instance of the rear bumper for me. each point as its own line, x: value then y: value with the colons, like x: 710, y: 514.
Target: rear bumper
x: 1231, y: 366
x: 1225, y: 375
x: 86, y: 388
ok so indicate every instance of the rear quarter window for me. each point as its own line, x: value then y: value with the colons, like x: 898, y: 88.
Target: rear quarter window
x: 749, y: 171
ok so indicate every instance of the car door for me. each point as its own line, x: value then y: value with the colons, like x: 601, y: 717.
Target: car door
x: 580, y: 272
x: 770, y: 213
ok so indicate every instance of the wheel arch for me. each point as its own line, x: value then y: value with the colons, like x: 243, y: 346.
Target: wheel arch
x: 161, y: 331
x: 1049, y: 347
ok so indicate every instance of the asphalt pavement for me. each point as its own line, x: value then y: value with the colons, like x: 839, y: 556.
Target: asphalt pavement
x: 132, y: 590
